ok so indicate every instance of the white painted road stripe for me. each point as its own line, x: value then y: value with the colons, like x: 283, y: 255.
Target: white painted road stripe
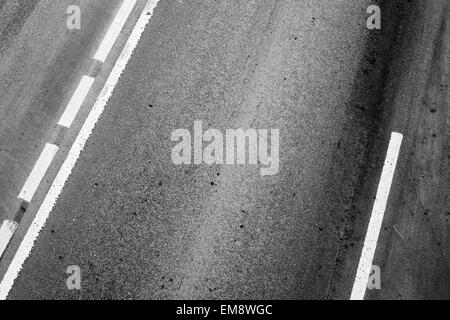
x: 376, y: 220
x: 38, y: 172
x: 114, y: 30
x: 6, y: 232
x: 44, y: 211
x: 77, y: 100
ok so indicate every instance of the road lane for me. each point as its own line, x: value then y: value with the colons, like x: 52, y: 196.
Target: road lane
x: 415, y: 252
x: 41, y: 63
x: 412, y: 248
x: 140, y: 226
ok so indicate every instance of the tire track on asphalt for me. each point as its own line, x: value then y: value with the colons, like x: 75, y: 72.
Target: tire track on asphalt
x: 19, y: 16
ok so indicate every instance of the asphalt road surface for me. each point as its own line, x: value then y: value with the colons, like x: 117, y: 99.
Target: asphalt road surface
x: 139, y: 226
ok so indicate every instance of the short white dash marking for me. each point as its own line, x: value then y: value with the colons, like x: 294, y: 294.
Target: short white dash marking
x: 55, y: 190
x: 114, y: 30
x: 6, y: 233
x: 376, y: 220
x: 77, y: 100
x: 38, y: 172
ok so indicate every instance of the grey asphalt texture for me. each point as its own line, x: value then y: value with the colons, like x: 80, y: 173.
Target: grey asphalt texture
x: 141, y: 227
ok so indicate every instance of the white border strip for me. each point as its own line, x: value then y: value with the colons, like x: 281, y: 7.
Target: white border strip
x: 38, y: 172
x: 44, y: 211
x: 114, y: 30
x: 77, y: 100
x: 6, y: 233
x: 376, y: 220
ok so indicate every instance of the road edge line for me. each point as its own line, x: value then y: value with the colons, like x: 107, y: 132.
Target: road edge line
x: 376, y: 219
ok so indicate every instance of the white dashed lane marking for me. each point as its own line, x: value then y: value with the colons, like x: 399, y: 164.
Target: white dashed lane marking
x: 38, y: 172
x: 114, y: 30
x: 77, y: 100
x: 6, y: 233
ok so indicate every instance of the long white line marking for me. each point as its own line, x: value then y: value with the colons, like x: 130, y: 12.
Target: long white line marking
x: 77, y: 100
x: 376, y: 220
x: 38, y: 172
x: 6, y: 232
x: 114, y: 30
x: 55, y: 190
